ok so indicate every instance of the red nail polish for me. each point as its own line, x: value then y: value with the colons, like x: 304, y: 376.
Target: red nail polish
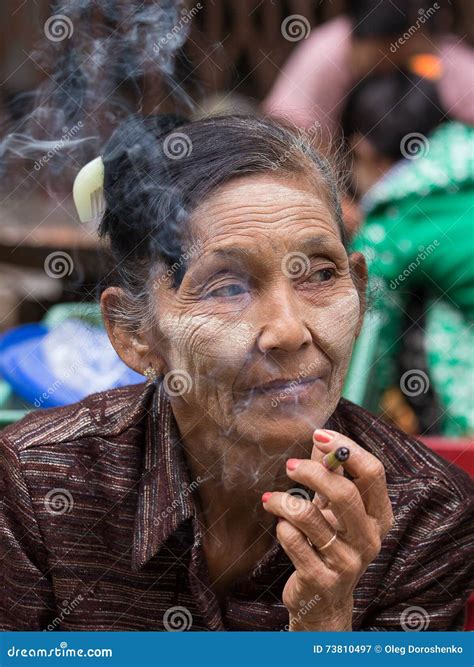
x: 322, y: 436
x: 266, y: 496
x: 292, y: 464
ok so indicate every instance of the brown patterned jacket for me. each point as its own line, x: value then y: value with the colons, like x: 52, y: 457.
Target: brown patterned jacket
x: 98, y: 528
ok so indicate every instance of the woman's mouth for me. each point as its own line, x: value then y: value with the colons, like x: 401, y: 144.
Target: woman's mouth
x: 284, y: 391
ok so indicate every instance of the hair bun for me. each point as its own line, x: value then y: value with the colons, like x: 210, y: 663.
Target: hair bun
x: 134, y: 179
x: 137, y: 131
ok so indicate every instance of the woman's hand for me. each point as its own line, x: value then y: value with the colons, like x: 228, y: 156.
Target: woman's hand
x: 319, y: 594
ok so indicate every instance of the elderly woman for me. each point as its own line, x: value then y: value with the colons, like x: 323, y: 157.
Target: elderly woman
x: 199, y: 500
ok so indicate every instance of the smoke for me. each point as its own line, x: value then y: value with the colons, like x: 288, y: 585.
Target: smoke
x: 102, y: 60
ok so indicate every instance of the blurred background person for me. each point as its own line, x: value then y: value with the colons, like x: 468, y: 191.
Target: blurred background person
x: 372, y: 36
x: 414, y: 171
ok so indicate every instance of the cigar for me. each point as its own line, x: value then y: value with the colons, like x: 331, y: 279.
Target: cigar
x: 333, y: 460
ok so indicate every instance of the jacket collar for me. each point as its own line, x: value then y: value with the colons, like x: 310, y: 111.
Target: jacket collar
x: 165, y: 489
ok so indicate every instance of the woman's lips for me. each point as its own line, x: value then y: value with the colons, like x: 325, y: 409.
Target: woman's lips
x: 285, y: 392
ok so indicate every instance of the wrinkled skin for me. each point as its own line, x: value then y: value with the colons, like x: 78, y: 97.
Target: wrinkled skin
x: 251, y: 322
x: 240, y: 320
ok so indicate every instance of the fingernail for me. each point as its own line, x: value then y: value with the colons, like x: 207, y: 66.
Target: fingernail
x: 322, y: 436
x: 292, y: 464
x: 266, y: 496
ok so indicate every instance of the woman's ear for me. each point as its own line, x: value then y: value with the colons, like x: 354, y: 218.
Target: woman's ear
x: 132, y: 348
x: 359, y: 274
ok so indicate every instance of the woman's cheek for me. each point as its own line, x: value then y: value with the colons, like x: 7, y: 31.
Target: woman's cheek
x: 336, y: 325
x: 206, y: 343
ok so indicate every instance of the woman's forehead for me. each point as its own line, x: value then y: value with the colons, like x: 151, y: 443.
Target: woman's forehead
x: 260, y: 207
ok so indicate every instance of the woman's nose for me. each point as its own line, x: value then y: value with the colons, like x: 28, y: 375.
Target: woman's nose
x: 282, y: 322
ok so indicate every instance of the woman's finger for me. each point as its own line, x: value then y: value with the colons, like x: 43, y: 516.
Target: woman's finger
x: 304, y: 515
x: 319, y: 499
x: 296, y: 546
x: 368, y: 475
x: 343, y: 495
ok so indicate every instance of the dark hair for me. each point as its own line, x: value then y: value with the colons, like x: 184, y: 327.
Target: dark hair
x: 158, y: 169
x: 386, y: 108
x: 387, y: 18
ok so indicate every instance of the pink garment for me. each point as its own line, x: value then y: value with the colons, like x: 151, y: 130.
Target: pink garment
x: 456, y: 86
x: 311, y: 86
x: 318, y: 76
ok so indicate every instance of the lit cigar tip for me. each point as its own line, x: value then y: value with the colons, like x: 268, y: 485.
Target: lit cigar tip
x: 342, y: 454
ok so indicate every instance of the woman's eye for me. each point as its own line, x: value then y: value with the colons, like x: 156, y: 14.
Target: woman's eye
x: 232, y: 289
x: 322, y: 276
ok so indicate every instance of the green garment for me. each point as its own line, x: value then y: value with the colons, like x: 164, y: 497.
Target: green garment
x: 418, y: 237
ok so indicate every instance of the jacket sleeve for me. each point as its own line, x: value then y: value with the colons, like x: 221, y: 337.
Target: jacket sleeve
x: 26, y: 594
x: 433, y: 566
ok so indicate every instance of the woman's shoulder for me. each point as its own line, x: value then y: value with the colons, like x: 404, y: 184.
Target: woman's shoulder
x: 105, y: 413
x: 409, y: 464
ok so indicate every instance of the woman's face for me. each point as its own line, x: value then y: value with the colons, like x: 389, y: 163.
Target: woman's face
x: 269, y: 297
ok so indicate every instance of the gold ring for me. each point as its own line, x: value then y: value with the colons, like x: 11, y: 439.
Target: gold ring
x: 328, y: 543
x: 325, y: 546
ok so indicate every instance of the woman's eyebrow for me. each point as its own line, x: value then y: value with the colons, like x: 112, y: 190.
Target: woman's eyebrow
x: 227, y: 253
x: 244, y: 255
x: 233, y: 252
x: 319, y: 242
